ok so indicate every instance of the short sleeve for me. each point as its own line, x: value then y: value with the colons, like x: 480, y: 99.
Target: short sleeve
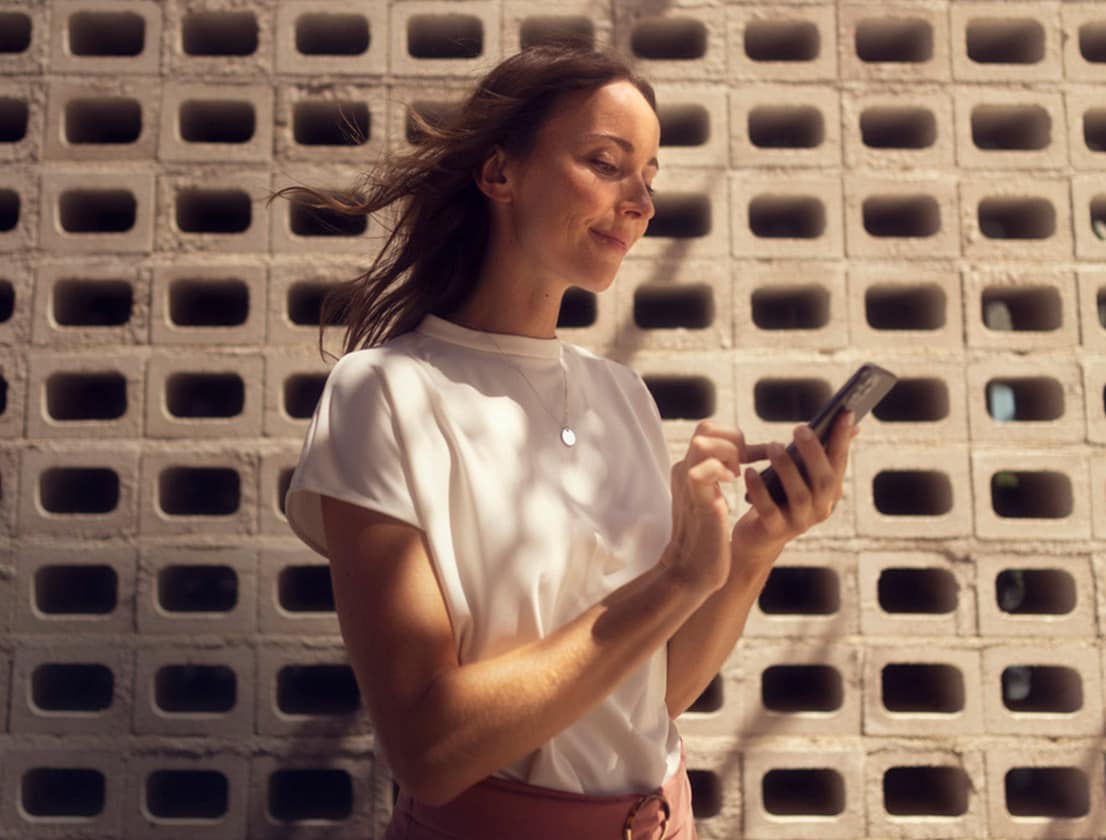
x: 650, y: 418
x: 352, y: 451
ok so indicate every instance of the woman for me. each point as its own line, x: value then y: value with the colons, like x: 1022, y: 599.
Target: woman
x: 529, y: 595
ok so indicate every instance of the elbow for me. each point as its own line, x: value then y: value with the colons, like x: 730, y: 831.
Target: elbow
x: 427, y: 787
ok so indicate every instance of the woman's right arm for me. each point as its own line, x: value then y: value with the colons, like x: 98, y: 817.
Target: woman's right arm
x: 444, y: 726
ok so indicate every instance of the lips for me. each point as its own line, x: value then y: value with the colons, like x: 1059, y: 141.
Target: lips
x: 611, y: 239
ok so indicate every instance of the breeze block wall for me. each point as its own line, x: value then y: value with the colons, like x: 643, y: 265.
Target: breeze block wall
x: 917, y: 183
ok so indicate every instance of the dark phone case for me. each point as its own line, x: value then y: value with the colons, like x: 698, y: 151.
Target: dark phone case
x: 860, y: 394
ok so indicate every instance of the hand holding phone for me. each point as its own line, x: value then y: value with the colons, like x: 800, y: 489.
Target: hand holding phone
x: 860, y: 394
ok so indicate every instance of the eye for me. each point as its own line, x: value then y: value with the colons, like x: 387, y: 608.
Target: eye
x: 604, y: 165
x: 649, y: 189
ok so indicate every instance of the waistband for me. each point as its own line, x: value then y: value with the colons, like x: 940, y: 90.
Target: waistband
x: 503, y: 808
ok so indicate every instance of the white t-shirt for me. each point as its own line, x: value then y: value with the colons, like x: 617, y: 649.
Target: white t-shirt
x: 440, y: 429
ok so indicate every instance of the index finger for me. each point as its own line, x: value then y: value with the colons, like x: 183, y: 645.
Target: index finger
x: 838, y: 447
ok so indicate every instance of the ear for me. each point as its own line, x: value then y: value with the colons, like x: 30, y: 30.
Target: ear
x: 492, y: 178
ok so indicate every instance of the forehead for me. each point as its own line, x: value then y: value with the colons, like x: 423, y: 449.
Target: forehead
x: 616, y: 108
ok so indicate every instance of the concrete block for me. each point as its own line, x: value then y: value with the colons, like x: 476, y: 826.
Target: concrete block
x: 915, y: 593
x: 80, y: 591
x: 17, y: 285
x: 436, y: 38
x: 1044, y: 787
x: 198, y: 489
x: 294, y: 380
x: 913, y: 689
x: 312, y: 790
x: 1042, y: 689
x: 72, y: 688
x: 1043, y: 399
x: 105, y: 37
x: 1098, y: 494
x: 898, y: 127
x: 799, y: 688
x: 84, y: 395
x: 1086, y: 127
x: 228, y: 123
x: 673, y: 307
x: 1089, y: 209
x: 807, y: 793
x: 1092, y: 307
x: 30, y: 36
x: 917, y: 308
x: 1081, y: 25
x: 278, y: 460
x: 907, y: 40
x: 433, y: 100
x: 195, y: 591
x: 85, y: 212
x: 10, y: 478
x: 688, y: 389
x: 1017, y: 42
x: 791, y: 217
x: 20, y: 195
x: 717, y: 712
x: 91, y: 302
x: 295, y: 228
x: 924, y: 793
x: 1020, y: 308
x: 681, y: 43
x: 591, y: 320
x: 695, y: 123
x: 773, y: 397
x: 901, y: 492
x: 785, y: 125
x: 714, y: 770
x: 184, y: 794
x: 335, y: 37
x: 23, y: 105
x: 783, y: 306
x: 1035, y: 595
x: 196, y: 304
x: 1016, y: 218
x: 203, y: 395
x: 216, y: 211
x: 196, y: 689
x: 307, y: 687
x: 341, y: 122
x: 45, y: 783
x: 295, y: 293
x: 927, y: 403
x: 782, y: 43
x: 79, y: 489
x: 1041, y: 495
x: 527, y: 22
x: 997, y: 128
x: 692, y: 216
x: 901, y: 218
x: 809, y: 595
x: 295, y: 596
x: 102, y: 118
x: 218, y: 42
x: 13, y: 373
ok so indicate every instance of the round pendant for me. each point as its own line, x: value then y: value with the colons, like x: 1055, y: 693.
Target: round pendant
x: 568, y: 437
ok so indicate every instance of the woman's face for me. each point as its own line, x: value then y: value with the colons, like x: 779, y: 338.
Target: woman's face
x: 581, y: 198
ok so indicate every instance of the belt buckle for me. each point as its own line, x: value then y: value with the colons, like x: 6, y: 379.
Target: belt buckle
x: 628, y: 828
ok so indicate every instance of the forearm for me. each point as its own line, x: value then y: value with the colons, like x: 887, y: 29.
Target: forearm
x: 482, y: 716
x: 699, y: 648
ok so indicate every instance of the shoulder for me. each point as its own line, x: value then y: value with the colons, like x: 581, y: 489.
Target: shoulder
x: 373, y: 364
x: 627, y: 379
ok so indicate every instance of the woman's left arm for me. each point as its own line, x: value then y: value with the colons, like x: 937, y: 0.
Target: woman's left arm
x: 699, y: 648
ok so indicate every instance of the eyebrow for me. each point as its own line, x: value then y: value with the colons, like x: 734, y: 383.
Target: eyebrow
x: 624, y: 143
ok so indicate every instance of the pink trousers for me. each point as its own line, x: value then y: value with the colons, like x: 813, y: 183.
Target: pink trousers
x: 498, y: 809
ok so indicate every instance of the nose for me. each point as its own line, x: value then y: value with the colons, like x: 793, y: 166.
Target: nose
x: 638, y: 202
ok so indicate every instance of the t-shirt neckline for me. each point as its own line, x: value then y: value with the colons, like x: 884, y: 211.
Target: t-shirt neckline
x: 498, y: 343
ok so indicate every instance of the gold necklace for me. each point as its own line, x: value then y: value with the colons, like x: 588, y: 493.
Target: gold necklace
x: 568, y: 436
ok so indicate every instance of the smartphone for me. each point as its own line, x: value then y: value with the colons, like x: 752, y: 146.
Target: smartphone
x: 860, y: 394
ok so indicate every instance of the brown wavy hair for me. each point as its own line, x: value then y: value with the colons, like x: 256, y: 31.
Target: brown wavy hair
x: 437, y: 218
